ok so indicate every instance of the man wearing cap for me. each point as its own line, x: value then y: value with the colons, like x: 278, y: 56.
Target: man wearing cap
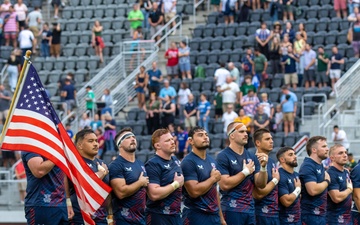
x: 289, y: 106
x: 167, y: 90
x: 128, y: 179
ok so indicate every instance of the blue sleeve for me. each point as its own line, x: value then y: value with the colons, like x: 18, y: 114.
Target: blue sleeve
x: 189, y: 170
x: 307, y: 174
x: 334, y: 185
x: 282, y: 186
x: 256, y: 163
x: 355, y: 177
x: 282, y: 98
x: 295, y: 97
x: 115, y: 170
x: 222, y: 164
x: 30, y: 155
x: 162, y: 95
x: 208, y: 106
x: 153, y: 173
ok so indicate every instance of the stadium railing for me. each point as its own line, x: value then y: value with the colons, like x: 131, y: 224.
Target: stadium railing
x: 167, y: 30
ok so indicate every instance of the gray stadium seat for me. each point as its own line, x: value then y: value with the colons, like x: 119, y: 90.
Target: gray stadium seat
x: 54, y: 77
x: 89, y: 12
x: 108, y: 2
x: 85, y: 37
x: 81, y: 62
x: 322, y: 25
x: 74, y: 37
x: 207, y: 84
x: 214, y: 56
x: 335, y: 23
x: 121, y: 10
x: 70, y: 63
x: 48, y: 64
x: 255, y: 15
x: 84, y: 24
x: 209, y: 30
x: 236, y: 55
x: 78, y: 12
x: 74, y: 2
x: 202, y: 57
x: 38, y: 63
x: 309, y: 108
x: 212, y: 18
x: 219, y: 31
x: 85, y: 2
x: 216, y: 43
x: 227, y: 43
x: 119, y: 35
x: 242, y: 29
x: 205, y: 43
x: 106, y: 22
x: 132, y: 114
x: 196, y: 84
x: 96, y: 2
x: 189, y: 8
x: 198, y: 31
x: 65, y: 37
x: 67, y: 13
x: 278, y: 139
x: 59, y: 63
x: 107, y: 49
x: 117, y: 23
x: 231, y: 29
x: 99, y: 12
x: 93, y: 62
x: 331, y: 37
x: 342, y: 37
x: 71, y: 25
x: 43, y: 74
x: 216, y: 141
x: 81, y: 49
x: 274, y: 94
x: 324, y: 11
x: 319, y: 38
x: 80, y: 75
x: 225, y: 55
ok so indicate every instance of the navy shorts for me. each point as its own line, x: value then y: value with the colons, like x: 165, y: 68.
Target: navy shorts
x: 162, y: 219
x: 193, y: 217
x: 46, y: 215
x: 267, y: 220
x: 313, y: 220
x: 239, y: 218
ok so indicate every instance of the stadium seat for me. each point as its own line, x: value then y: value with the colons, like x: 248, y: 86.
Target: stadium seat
x: 302, y: 2
x: 205, y: 43
x: 212, y: 18
x: 335, y: 22
x: 142, y: 155
x: 312, y: 11
x: 253, y: 27
x: 239, y: 42
x: 196, y: 83
x: 290, y: 139
x: 59, y: 63
x: 68, y: 50
x: 78, y: 12
x: 299, y: 92
x: 71, y: 25
x: 227, y: 43
x: 37, y: 62
x: 319, y: 38
x: 138, y: 127
x: 74, y: 37
x: 216, y: 43
x: 322, y: 25
x: 207, y: 84
x: 277, y: 81
x: 218, y: 127
x: 132, y: 113
x: 146, y: 142
x: 242, y: 29
x: 331, y: 37
x: 74, y: 2
x: 225, y: 55
x: 80, y: 75
x: 274, y: 94
x: 216, y: 141
x: 209, y: 30
x: 141, y: 115
x: 309, y: 108
x: 198, y: 31
x: 67, y: 13
x: 219, y: 30
x: 342, y: 37
x: 278, y: 139
x: 255, y: 15
x: 80, y: 49
x: 117, y: 23
x: 194, y: 44
x: 231, y: 29
x: 272, y: 155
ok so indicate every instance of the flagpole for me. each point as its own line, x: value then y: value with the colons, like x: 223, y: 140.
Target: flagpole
x: 24, y: 69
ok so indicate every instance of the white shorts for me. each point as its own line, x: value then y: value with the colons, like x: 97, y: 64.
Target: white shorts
x: 335, y: 74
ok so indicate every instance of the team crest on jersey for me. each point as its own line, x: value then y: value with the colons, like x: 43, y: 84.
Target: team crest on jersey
x: 167, y: 166
x: 318, y: 171
x: 290, y: 218
x: 340, y: 178
x: 265, y: 209
x: 249, y: 160
x: 233, y: 204
x: 177, y: 163
x: 317, y: 211
x: 166, y: 210
x: 128, y: 169
x: 90, y: 165
x: 234, y: 162
x: 341, y: 219
x: 143, y: 169
x: 289, y: 181
x: 125, y: 212
x: 200, y: 167
x: 47, y: 198
x: 213, y: 165
x: 274, y: 166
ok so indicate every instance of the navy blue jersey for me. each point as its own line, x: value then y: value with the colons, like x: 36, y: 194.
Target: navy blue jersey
x: 131, y: 208
x: 161, y: 172
x: 291, y: 214
x: 268, y: 206
x: 310, y: 171
x: 238, y: 199
x: 338, y: 213
x: 48, y: 191
x: 355, y: 179
x: 198, y: 169
x: 101, y: 214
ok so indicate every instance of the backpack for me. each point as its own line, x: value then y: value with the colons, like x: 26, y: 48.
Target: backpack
x: 200, y: 72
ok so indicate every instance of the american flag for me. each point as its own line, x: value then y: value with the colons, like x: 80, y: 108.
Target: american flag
x: 33, y: 126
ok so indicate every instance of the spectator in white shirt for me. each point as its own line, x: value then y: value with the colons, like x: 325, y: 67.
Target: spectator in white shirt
x: 230, y: 93
x: 169, y: 10
x: 21, y: 11
x: 221, y: 74
x: 26, y: 40
x: 183, y: 98
x: 339, y: 137
x: 228, y: 117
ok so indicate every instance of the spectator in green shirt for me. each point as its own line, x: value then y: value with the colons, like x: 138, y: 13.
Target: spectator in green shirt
x: 90, y: 99
x: 322, y: 68
x: 260, y: 66
x: 247, y: 85
x: 135, y: 18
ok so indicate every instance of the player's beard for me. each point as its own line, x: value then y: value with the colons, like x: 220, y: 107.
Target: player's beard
x: 202, y: 147
x: 131, y: 148
x: 292, y: 163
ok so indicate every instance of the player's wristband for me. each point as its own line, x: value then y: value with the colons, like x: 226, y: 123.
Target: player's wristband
x: 246, y: 171
x: 175, y: 185
x: 297, y: 191
x: 68, y: 202
x: 263, y: 169
x: 275, y: 181
x: 109, y: 219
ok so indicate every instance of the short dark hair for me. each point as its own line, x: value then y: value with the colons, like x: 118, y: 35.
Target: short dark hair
x: 88, y: 87
x: 282, y: 150
x: 284, y: 87
x: 81, y: 135
x: 256, y: 49
x: 222, y: 64
x: 125, y: 129
x: 313, y: 141
x: 336, y: 126
x: 194, y: 130
x: 322, y: 47
x: 258, y: 134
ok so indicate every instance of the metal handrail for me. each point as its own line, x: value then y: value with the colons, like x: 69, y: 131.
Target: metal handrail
x: 196, y: 4
x: 347, y: 84
x: 168, y: 31
x: 3, y: 75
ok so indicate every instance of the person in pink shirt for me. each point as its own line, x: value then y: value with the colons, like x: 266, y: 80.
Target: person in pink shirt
x: 11, y: 27
x: 21, y: 11
x: 4, y: 8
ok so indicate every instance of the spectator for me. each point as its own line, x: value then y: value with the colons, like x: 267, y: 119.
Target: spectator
x: 289, y: 107
x: 97, y: 41
x: 216, y: 5
x: 260, y: 66
x: 302, y: 31
x: 309, y: 66
x: 167, y: 110
x: 140, y: 86
x: 352, y: 5
x: 218, y: 103
x: 221, y: 74
x: 107, y: 99
x: 183, y: 99
x: 289, y: 62
x: 322, y: 67
x: 275, y: 8
x: 109, y: 133
x: 228, y: 117
x: 137, y: 36
x: 61, y: 81
x: 69, y: 131
x: 190, y: 113
x: 203, y: 112
x: 340, y: 8
x: 90, y: 99
x: 285, y: 44
x: 229, y: 9
x: 146, y: 6
x: 169, y: 10
x: 352, y: 16
x: 13, y: 66
x: 267, y: 105
x: 27, y: 41
x: 101, y: 141
x: 56, y: 4
x: 155, y: 77
x: 172, y: 65
x: 355, y: 35
x: 261, y: 119
x: 275, y: 54
x: 34, y: 20
x: 4, y: 8
x: 182, y: 142
x: 230, y: 93
x: 287, y: 10
x: 96, y: 123
x: 5, y: 99
x: 46, y: 37
x: 1, y: 30
x: 135, y: 17
x: 278, y: 119
x: 256, y: 4
x: 247, y: 62
x: 167, y: 90
x: 68, y: 94
x: 152, y: 109
x: 184, y: 60
x: 249, y: 103
x: 21, y: 11
x: 339, y: 137
x: 247, y: 85
x: 263, y: 36
x: 299, y: 48
x: 289, y: 31
x: 21, y: 175
x: 11, y: 27
x: 235, y: 73
x: 335, y: 67
x: 155, y: 20
x: 244, y: 119
x: 55, y: 41
x: 351, y: 162
x: 84, y: 122
x: 276, y: 32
